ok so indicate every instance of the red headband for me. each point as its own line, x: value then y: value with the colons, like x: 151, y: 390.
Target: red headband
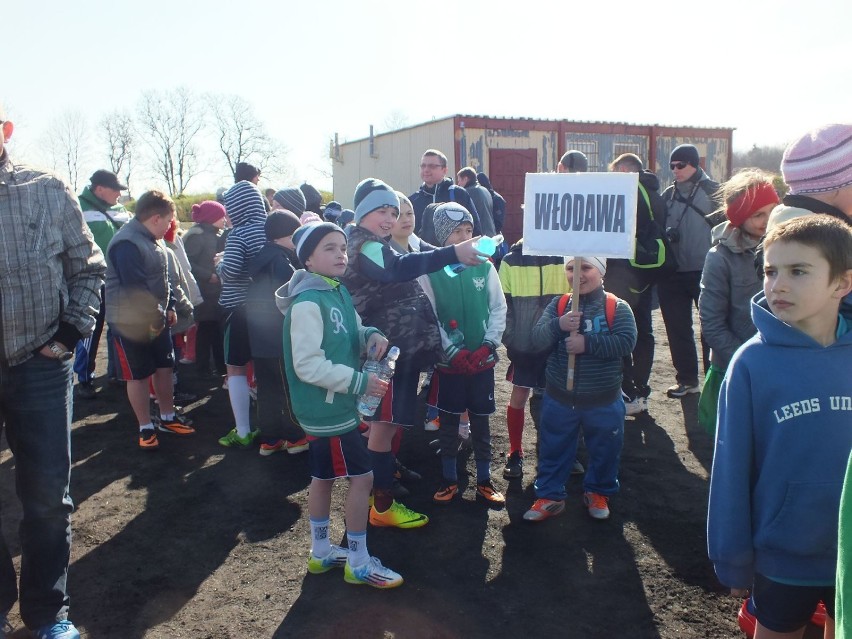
x: 750, y: 201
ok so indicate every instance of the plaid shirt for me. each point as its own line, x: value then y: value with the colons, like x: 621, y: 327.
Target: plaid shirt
x: 51, y: 271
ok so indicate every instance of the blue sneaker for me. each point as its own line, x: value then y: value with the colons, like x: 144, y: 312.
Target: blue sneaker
x: 59, y: 630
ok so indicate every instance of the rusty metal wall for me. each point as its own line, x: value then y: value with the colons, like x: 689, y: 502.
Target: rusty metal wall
x: 396, y: 154
x: 603, y: 148
x: 475, y: 144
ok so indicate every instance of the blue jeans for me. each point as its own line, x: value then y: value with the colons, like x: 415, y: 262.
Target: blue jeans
x: 35, y: 409
x: 559, y: 431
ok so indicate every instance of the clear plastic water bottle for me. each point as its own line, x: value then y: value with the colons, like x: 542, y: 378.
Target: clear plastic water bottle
x: 367, y: 404
x: 485, y: 245
x: 455, y: 334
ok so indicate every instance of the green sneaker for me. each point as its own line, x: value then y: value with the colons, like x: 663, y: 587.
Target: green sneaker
x: 336, y: 558
x: 232, y: 440
x: 397, y: 516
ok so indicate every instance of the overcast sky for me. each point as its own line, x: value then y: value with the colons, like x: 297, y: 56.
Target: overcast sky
x: 771, y: 69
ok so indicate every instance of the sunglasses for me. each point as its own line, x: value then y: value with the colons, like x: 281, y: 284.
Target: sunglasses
x: 678, y: 165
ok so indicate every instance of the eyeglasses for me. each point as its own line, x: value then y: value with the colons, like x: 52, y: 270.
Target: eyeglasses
x: 432, y: 166
x: 678, y: 165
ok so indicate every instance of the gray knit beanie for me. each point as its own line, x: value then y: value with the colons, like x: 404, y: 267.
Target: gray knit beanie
x: 291, y: 199
x: 447, y: 217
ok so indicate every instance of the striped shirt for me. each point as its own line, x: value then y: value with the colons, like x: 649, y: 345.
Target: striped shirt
x: 244, y: 204
x: 597, y: 373
x: 51, y: 271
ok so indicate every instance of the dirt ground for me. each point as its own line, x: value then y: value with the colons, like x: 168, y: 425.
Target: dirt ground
x: 200, y: 541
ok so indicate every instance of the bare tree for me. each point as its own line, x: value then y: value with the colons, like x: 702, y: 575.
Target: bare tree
x: 117, y: 134
x: 242, y: 136
x: 396, y: 119
x: 65, y: 144
x: 169, y: 121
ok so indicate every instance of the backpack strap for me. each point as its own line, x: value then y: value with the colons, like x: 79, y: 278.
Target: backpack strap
x: 647, y: 200
x: 609, y: 307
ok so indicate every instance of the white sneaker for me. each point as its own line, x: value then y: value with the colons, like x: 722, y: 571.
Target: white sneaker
x: 372, y: 573
x: 464, y: 430
x: 638, y: 405
x: 432, y: 425
x: 336, y: 558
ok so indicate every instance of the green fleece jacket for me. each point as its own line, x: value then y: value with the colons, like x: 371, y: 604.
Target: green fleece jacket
x: 323, y: 340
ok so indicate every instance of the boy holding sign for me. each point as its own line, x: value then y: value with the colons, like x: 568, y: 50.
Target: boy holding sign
x: 598, y: 338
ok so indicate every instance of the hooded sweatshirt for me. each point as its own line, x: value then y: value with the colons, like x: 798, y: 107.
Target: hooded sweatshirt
x: 782, y: 444
x: 244, y: 241
x: 728, y: 282
x: 323, y: 339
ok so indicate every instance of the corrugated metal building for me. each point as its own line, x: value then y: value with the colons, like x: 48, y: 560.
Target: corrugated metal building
x: 508, y: 148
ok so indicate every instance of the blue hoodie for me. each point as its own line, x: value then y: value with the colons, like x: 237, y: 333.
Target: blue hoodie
x: 783, y: 441
x: 244, y: 205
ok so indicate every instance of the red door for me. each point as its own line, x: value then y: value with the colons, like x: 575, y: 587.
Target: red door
x: 507, y: 171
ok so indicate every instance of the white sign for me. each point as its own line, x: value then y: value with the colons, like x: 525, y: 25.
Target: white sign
x: 591, y: 214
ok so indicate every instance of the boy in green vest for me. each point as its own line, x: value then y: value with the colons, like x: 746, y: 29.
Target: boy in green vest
x: 471, y: 311
x: 323, y: 340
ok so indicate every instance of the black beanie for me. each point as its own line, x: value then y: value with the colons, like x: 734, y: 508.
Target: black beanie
x: 685, y: 153
x: 313, y: 199
x: 280, y: 224
x: 307, y: 237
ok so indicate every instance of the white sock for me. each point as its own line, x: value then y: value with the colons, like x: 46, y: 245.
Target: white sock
x: 148, y: 426
x: 358, y: 555
x: 464, y: 430
x: 320, y: 545
x: 167, y: 417
x: 238, y: 391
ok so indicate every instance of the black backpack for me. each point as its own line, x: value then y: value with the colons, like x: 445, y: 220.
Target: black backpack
x: 654, y: 255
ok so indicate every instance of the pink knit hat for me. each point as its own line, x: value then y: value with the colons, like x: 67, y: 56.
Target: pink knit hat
x: 820, y: 160
x: 207, y: 211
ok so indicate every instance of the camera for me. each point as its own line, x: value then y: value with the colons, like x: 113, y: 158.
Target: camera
x: 673, y: 234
